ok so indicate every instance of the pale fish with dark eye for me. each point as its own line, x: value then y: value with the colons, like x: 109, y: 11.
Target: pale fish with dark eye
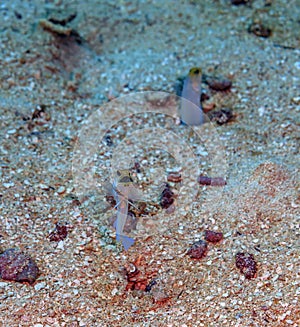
x: 190, y: 109
x: 123, y: 190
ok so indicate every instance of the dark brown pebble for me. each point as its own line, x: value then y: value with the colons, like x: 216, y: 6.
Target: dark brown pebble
x: 167, y: 197
x: 59, y: 234
x: 222, y: 116
x: 246, y: 263
x: 198, y: 250
x: 166, y: 202
x: 218, y: 83
x: 211, y: 181
x: 213, y: 237
x: 18, y: 266
x: 174, y: 177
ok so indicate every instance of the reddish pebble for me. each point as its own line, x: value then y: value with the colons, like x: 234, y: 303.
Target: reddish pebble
x: 167, y: 197
x: 246, y: 263
x: 18, y: 266
x: 198, y: 250
x: 213, y: 237
x: 219, y: 83
x: 211, y: 181
x: 59, y: 234
x: 174, y: 177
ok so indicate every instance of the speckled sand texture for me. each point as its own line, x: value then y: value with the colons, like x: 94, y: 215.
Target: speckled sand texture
x: 52, y: 81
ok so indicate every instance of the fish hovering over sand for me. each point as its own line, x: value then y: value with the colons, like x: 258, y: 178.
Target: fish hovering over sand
x: 190, y: 110
x: 124, y: 191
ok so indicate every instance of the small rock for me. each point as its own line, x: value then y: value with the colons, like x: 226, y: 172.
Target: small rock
x: 245, y: 262
x: 11, y: 131
x: 18, y: 266
x: 59, y: 234
x: 222, y: 116
x: 61, y: 190
x: 213, y: 237
x: 167, y: 197
x: 8, y: 185
x: 198, y: 250
x: 211, y: 181
x: 44, y: 187
x: 174, y: 177
x: 218, y: 83
x: 39, y: 286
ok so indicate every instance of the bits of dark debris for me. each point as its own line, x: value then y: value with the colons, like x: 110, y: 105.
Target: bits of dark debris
x: 198, y: 250
x: 213, y: 237
x: 63, y: 21
x: 211, y: 181
x: 150, y: 285
x: 259, y: 29
x: 221, y: 117
x: 139, y: 279
x: 246, y: 263
x: 137, y: 167
x: 240, y: 2
x: 18, y: 266
x: 60, y: 30
x: 59, y: 234
x: 38, y: 112
x: 108, y: 140
x: 18, y: 15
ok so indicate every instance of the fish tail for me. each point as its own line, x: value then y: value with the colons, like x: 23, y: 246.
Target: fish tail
x: 125, y: 240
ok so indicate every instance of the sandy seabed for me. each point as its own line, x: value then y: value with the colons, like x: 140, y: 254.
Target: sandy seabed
x: 63, y: 61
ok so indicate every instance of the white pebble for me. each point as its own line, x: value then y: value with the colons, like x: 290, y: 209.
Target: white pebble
x: 61, y: 190
x: 11, y: 131
x: 39, y: 286
x: 8, y: 185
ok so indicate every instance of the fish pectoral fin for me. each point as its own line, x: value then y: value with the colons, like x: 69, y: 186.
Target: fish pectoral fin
x: 125, y: 240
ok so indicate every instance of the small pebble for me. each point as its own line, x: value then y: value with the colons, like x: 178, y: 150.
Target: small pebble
x: 246, y: 263
x: 61, y: 190
x: 213, y: 237
x: 222, y: 116
x: 18, y: 266
x: 218, y: 83
x: 167, y: 197
x: 44, y: 187
x: 198, y: 250
x: 59, y: 234
x: 39, y: 286
x: 8, y: 185
x: 211, y: 181
x: 174, y: 177
x: 11, y: 131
